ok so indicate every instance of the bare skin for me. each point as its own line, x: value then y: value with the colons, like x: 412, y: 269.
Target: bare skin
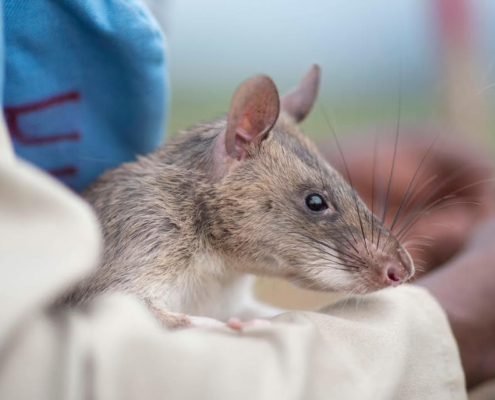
x: 465, y: 287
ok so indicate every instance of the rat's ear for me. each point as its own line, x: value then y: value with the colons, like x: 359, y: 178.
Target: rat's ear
x: 300, y: 100
x: 253, y: 111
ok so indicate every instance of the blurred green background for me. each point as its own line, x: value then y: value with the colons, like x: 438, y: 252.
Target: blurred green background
x: 441, y: 52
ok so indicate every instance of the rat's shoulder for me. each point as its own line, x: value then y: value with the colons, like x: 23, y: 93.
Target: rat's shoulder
x: 179, y: 156
x: 191, y: 148
x: 141, y: 183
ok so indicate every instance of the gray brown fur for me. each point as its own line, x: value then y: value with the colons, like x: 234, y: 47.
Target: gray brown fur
x: 163, y: 210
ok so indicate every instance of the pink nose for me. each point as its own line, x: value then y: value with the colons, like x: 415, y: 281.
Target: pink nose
x: 395, y: 276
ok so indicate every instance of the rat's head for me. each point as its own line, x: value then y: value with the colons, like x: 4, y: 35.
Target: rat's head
x: 281, y: 210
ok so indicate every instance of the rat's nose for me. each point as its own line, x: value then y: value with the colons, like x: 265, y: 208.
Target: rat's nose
x: 398, y: 269
x: 394, y: 276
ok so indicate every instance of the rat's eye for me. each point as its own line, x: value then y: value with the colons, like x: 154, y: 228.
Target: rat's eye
x: 316, y: 203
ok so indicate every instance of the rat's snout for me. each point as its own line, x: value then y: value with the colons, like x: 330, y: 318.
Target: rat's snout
x: 389, y: 265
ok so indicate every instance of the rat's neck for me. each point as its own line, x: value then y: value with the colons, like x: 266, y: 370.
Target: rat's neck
x: 210, y: 287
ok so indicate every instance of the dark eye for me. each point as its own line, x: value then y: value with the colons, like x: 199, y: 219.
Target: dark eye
x: 316, y: 203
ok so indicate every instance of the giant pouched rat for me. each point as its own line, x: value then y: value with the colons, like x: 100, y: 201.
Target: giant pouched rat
x: 186, y: 227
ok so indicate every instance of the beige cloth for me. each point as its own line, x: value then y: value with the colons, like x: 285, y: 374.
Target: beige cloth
x: 396, y: 344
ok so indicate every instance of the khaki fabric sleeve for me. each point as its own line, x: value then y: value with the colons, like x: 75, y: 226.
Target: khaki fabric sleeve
x: 396, y: 344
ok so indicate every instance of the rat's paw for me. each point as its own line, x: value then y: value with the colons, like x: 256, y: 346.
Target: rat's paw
x: 171, y: 320
x: 205, y: 322
x: 233, y: 323
x: 237, y: 324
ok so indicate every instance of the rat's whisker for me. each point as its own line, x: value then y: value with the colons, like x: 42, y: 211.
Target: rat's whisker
x: 406, y: 194
x: 424, y: 237
x: 356, y: 251
x: 349, y: 179
x: 357, y: 259
x: 354, y: 255
x: 417, y: 217
x: 420, y: 268
x: 412, y: 188
x: 344, y: 264
x: 443, y: 184
x: 417, y: 193
x: 407, y: 241
x: 447, y: 180
x: 337, y: 257
x: 417, y: 243
x: 317, y: 258
x: 348, y: 268
x: 452, y: 194
x: 373, y: 173
x: 399, y: 110
x: 416, y: 248
x: 439, y: 207
x: 417, y: 238
x: 415, y: 277
x: 340, y: 258
x: 421, y: 262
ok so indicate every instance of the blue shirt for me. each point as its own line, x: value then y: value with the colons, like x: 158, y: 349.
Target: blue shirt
x: 84, y: 84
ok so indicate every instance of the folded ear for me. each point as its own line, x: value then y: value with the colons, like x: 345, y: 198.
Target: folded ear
x: 299, y: 102
x: 253, y: 111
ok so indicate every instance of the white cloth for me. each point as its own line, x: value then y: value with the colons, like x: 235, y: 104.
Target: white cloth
x: 396, y: 344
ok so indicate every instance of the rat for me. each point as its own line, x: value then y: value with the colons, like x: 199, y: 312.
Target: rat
x: 188, y: 227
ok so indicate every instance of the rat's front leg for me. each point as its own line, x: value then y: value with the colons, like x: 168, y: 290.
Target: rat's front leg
x: 173, y: 320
